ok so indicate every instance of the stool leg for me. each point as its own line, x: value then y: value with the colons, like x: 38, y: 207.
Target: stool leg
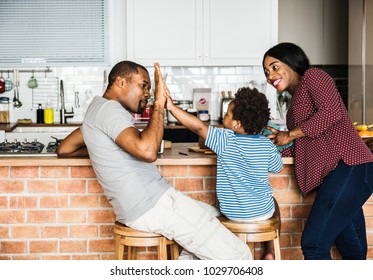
x: 162, y: 249
x: 252, y: 248
x: 174, y: 251
x: 117, y: 247
x: 120, y: 252
x: 131, y: 251
x: 276, y: 243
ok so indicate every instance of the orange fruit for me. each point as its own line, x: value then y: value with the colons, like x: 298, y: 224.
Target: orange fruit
x: 366, y: 133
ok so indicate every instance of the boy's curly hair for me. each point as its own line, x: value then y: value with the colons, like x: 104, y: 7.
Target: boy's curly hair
x: 251, y: 109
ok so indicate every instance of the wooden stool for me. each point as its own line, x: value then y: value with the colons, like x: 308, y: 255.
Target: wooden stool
x: 258, y: 231
x: 132, y: 238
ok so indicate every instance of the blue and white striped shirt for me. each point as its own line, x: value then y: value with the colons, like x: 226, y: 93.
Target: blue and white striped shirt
x: 243, y: 163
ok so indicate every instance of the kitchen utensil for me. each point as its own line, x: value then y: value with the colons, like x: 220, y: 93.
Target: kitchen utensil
x: 8, y: 83
x: 16, y: 102
x: 32, y: 83
x: 2, y: 83
x: 197, y: 149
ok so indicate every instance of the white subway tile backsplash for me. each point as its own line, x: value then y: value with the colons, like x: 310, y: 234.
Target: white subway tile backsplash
x: 244, y: 70
x: 228, y: 70
x: 89, y: 81
x: 219, y: 79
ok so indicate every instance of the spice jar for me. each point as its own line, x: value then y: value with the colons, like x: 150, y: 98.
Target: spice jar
x: 203, y: 115
x: 4, y: 110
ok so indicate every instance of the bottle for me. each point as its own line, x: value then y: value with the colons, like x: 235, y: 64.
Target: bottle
x: 48, y: 114
x: 40, y: 114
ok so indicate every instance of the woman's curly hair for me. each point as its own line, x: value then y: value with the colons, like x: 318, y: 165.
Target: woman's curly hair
x: 251, y: 109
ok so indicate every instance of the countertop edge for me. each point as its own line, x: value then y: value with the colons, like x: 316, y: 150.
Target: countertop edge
x: 48, y: 161
x: 179, y: 154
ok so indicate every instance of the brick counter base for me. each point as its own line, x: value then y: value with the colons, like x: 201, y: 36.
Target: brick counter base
x: 61, y: 212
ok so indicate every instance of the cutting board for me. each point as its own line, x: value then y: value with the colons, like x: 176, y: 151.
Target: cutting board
x: 197, y: 149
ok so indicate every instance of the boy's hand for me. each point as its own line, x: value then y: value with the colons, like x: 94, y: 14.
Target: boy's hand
x: 169, y: 104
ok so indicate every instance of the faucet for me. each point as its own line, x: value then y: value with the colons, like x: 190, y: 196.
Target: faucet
x: 64, y: 115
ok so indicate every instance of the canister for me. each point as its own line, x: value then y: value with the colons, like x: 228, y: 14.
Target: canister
x: 185, y: 104
x: 170, y: 117
x: 4, y: 110
x: 203, y: 115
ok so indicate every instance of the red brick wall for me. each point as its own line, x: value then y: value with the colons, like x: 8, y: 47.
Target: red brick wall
x: 61, y: 212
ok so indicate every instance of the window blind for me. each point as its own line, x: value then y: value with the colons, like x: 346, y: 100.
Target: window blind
x: 53, y: 32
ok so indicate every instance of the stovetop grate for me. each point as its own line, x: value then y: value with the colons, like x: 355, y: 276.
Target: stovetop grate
x: 21, y: 147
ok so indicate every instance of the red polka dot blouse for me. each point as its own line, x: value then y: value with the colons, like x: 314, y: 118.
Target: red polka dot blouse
x: 330, y: 135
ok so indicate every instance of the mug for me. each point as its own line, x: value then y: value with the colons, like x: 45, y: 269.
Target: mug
x: 8, y: 84
x: 32, y: 83
x: 2, y: 85
x: 147, y: 113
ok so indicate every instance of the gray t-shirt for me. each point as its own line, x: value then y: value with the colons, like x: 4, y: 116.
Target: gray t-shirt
x: 132, y: 186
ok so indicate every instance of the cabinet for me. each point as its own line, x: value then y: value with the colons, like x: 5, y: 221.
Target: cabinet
x: 320, y: 27
x: 360, y: 69
x: 200, y: 32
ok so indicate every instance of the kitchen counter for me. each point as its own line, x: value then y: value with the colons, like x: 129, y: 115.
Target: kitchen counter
x: 169, y: 157
x: 8, y: 127
x: 53, y: 208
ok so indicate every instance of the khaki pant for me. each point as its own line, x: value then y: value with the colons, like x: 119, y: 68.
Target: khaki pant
x: 193, y: 225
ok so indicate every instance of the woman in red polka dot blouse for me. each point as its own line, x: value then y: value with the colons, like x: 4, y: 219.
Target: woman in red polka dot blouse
x: 329, y: 155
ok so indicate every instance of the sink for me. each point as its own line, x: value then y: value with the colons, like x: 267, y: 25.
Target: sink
x: 43, y: 134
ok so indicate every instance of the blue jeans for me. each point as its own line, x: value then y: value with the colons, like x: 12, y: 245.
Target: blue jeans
x: 337, y: 216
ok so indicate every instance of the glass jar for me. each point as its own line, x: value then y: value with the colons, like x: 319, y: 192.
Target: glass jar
x: 185, y: 104
x: 203, y: 115
x: 170, y: 117
x: 4, y: 110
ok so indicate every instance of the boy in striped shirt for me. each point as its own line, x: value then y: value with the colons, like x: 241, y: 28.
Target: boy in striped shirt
x: 244, y: 155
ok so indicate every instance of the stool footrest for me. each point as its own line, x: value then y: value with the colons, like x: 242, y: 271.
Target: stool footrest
x: 132, y: 238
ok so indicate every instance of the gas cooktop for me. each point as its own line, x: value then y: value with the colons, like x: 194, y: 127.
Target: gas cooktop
x: 25, y: 148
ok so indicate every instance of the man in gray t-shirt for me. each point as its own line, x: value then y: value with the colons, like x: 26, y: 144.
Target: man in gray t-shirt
x: 122, y: 158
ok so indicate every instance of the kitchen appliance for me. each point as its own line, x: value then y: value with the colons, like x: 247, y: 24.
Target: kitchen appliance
x: 33, y: 144
x: 28, y: 148
x: 224, y: 108
x: 360, y: 61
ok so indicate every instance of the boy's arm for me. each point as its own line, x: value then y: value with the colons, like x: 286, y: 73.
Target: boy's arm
x: 186, y: 119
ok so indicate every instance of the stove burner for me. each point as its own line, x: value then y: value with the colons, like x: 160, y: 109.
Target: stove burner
x: 17, y: 147
x: 52, y: 147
